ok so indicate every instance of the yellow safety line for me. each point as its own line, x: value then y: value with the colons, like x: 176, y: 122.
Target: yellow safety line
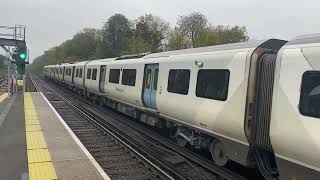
x: 39, y: 160
x: 3, y: 96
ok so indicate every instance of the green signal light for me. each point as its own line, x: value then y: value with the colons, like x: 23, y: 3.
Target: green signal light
x: 22, y: 56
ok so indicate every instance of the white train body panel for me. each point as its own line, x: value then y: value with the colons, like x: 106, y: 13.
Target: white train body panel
x: 92, y: 84
x: 68, y: 73
x: 207, y: 114
x: 128, y: 94
x: 78, y: 80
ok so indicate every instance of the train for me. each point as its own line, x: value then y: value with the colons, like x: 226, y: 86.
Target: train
x: 256, y: 103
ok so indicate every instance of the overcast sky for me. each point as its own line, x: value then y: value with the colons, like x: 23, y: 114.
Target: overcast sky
x: 50, y: 22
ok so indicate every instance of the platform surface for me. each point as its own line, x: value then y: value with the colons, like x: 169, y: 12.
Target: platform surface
x: 13, y: 149
x: 35, y: 143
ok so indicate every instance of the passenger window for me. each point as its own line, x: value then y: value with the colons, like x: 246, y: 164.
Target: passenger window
x: 178, y: 81
x: 309, y: 104
x: 155, y: 79
x: 80, y: 74
x: 89, y: 74
x: 129, y: 77
x: 114, y: 76
x: 94, y: 74
x: 213, y: 84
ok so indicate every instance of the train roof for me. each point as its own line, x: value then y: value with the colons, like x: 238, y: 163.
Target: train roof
x: 305, y: 39
x: 99, y: 61
x: 231, y: 46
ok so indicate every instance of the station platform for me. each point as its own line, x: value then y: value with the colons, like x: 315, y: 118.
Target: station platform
x: 36, y: 144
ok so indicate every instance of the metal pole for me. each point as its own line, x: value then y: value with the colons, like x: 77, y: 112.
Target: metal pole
x: 8, y: 78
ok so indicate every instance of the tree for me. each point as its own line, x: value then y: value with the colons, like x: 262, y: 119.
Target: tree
x: 190, y: 25
x: 214, y: 35
x: 116, y: 34
x: 177, y: 40
x: 152, y: 30
x: 83, y: 44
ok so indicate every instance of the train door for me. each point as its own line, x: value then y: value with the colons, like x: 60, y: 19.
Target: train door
x: 102, y: 78
x: 150, y: 85
x: 63, y: 73
x: 73, y: 70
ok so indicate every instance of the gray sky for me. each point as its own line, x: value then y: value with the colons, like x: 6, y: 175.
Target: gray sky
x: 50, y: 22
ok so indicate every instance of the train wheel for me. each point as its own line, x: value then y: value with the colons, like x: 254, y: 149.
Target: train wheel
x: 181, y: 141
x: 218, y: 153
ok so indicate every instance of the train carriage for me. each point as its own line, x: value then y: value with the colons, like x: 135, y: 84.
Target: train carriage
x: 295, y: 123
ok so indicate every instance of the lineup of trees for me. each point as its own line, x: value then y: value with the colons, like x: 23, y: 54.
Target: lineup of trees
x: 148, y: 33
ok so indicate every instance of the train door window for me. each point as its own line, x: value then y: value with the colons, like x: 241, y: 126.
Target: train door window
x: 80, y: 73
x: 77, y: 72
x: 213, y: 84
x: 114, y: 76
x: 178, y: 81
x: 309, y: 104
x: 94, y: 74
x: 89, y: 74
x: 155, y: 79
x: 148, y: 80
x: 129, y: 77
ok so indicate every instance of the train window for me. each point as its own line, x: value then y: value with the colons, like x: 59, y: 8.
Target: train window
x: 89, y: 74
x: 148, y: 80
x: 77, y: 73
x: 309, y: 104
x: 80, y: 73
x: 213, y: 84
x: 94, y: 74
x: 114, y: 76
x: 155, y: 79
x: 178, y: 81
x: 129, y: 77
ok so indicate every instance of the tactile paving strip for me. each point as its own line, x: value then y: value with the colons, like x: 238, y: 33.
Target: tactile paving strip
x: 39, y: 160
x: 3, y: 96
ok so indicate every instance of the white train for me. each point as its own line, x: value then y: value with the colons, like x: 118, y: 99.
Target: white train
x: 255, y: 103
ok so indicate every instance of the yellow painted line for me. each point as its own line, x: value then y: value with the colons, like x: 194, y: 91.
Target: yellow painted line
x: 32, y: 122
x: 35, y: 140
x: 39, y: 160
x: 42, y: 171
x: 3, y: 96
x: 33, y: 127
x: 31, y: 117
x: 38, y: 156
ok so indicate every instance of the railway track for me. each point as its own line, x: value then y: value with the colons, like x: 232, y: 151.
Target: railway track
x: 29, y: 86
x: 125, y: 148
